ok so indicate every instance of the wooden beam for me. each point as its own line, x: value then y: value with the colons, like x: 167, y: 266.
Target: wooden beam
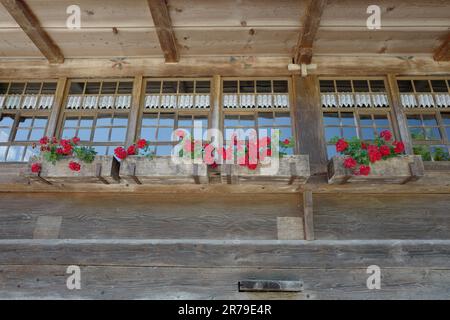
x: 304, y: 49
x: 163, y: 25
x: 26, y: 19
x: 308, y: 220
x: 135, y: 109
x: 57, y: 107
x: 442, y: 53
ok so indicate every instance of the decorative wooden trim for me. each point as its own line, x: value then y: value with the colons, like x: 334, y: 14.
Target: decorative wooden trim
x: 308, y: 219
x: 442, y: 53
x: 399, y: 114
x: 304, y: 50
x: 163, y: 25
x: 26, y: 19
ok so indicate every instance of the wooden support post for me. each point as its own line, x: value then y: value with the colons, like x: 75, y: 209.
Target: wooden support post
x: 135, y: 108
x: 309, y: 123
x: 215, y: 106
x: 133, y: 173
x: 308, y: 221
x: 399, y: 115
x: 98, y: 173
x: 57, y: 108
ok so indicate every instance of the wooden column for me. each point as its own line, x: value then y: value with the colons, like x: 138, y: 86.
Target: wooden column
x: 398, y: 114
x: 215, y: 103
x: 308, y: 122
x: 57, y: 107
x: 308, y: 220
x: 135, y: 108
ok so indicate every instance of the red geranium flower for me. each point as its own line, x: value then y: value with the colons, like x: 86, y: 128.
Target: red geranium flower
x: 286, y: 141
x: 349, y: 163
x: 363, y: 146
x: 43, y: 140
x: 141, y: 144
x: 341, y: 145
x: 60, y: 151
x: 374, y: 153
x: 252, y: 166
x: 74, y: 166
x: 386, y: 135
x: 64, y: 142
x: 120, y: 153
x: 399, y: 146
x: 213, y: 165
x: 75, y: 140
x: 131, y: 151
x: 36, y: 167
x: 385, y: 150
x: 67, y: 149
x: 364, y: 170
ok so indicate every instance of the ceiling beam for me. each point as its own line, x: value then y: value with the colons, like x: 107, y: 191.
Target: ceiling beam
x: 25, y: 18
x: 442, y: 53
x: 304, y: 49
x: 163, y: 26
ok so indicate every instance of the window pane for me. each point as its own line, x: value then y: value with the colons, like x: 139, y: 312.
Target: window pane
x: 367, y: 134
x: 440, y: 153
x: 377, y: 86
x: 37, y: 134
x: 283, y: 118
x: 423, y: 151
x: 381, y: 120
x: 349, y: 133
x: 84, y: 134
x: 186, y: 87
x: 247, y: 121
x: 448, y: 132
x: 185, y: 121
x: 3, y: 88
x: 4, y: 134
x: 247, y: 86
x: 109, y: 87
x: 121, y: 120
x: 86, y: 122
x: 33, y: 88
x: 22, y: 135
x: 70, y: 122
x: 101, y: 134
x: 30, y: 152
x: 125, y: 87
x: 150, y: 120
x: 429, y: 120
x: 405, y: 86
x: 331, y: 118
x: 417, y: 133
x: 203, y: 120
x: 365, y: 120
x: 265, y: 118
x: 2, y: 153
x: 280, y: 86
x: 92, y: 88
x: 327, y: 86
x: 148, y: 133
x: 202, y: 86
x: 164, y: 134
x: 432, y: 133
x: 263, y: 86
x: 446, y: 117
x: 231, y: 120
x: 332, y: 132
x: 15, y: 153
x: 164, y: 150
x: 118, y: 134
x: 439, y: 86
x: 104, y: 120
x: 331, y: 151
x: 285, y: 133
x: 414, y: 120
x: 343, y: 85
x: 25, y: 122
x: 16, y: 88
x: 361, y: 86
x: 169, y: 86
x: 68, y: 133
x: 167, y: 119
x: 101, y: 150
x: 422, y: 86
x: 347, y: 118
x: 40, y: 122
x: 76, y: 88
x: 48, y: 88
x: 230, y: 86
x: 153, y: 87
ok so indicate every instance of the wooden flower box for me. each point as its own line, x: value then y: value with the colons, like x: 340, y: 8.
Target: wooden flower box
x: 292, y: 169
x: 397, y: 170
x: 103, y: 170
x: 161, y: 170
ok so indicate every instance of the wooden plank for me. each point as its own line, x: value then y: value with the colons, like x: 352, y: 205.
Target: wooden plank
x: 308, y: 119
x: 308, y: 215
x: 135, y: 110
x: 105, y: 282
x: 25, y: 18
x: 270, y: 286
x: 388, y: 216
x: 304, y: 49
x: 47, y: 227
x: 57, y: 107
x: 290, y: 228
x: 286, y: 254
x: 442, y: 53
x: 163, y: 25
x: 398, y: 111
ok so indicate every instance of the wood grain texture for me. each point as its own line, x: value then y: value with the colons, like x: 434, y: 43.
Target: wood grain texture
x: 304, y: 48
x: 26, y: 19
x: 124, y: 282
x: 163, y: 25
x: 442, y: 53
x: 288, y: 254
x: 308, y: 215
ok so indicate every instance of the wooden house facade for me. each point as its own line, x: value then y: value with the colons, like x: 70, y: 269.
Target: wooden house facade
x: 141, y: 69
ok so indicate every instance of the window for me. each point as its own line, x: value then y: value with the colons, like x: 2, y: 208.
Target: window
x: 354, y: 108
x: 259, y: 104
x: 24, y: 111
x: 171, y: 104
x: 426, y: 102
x: 97, y: 113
